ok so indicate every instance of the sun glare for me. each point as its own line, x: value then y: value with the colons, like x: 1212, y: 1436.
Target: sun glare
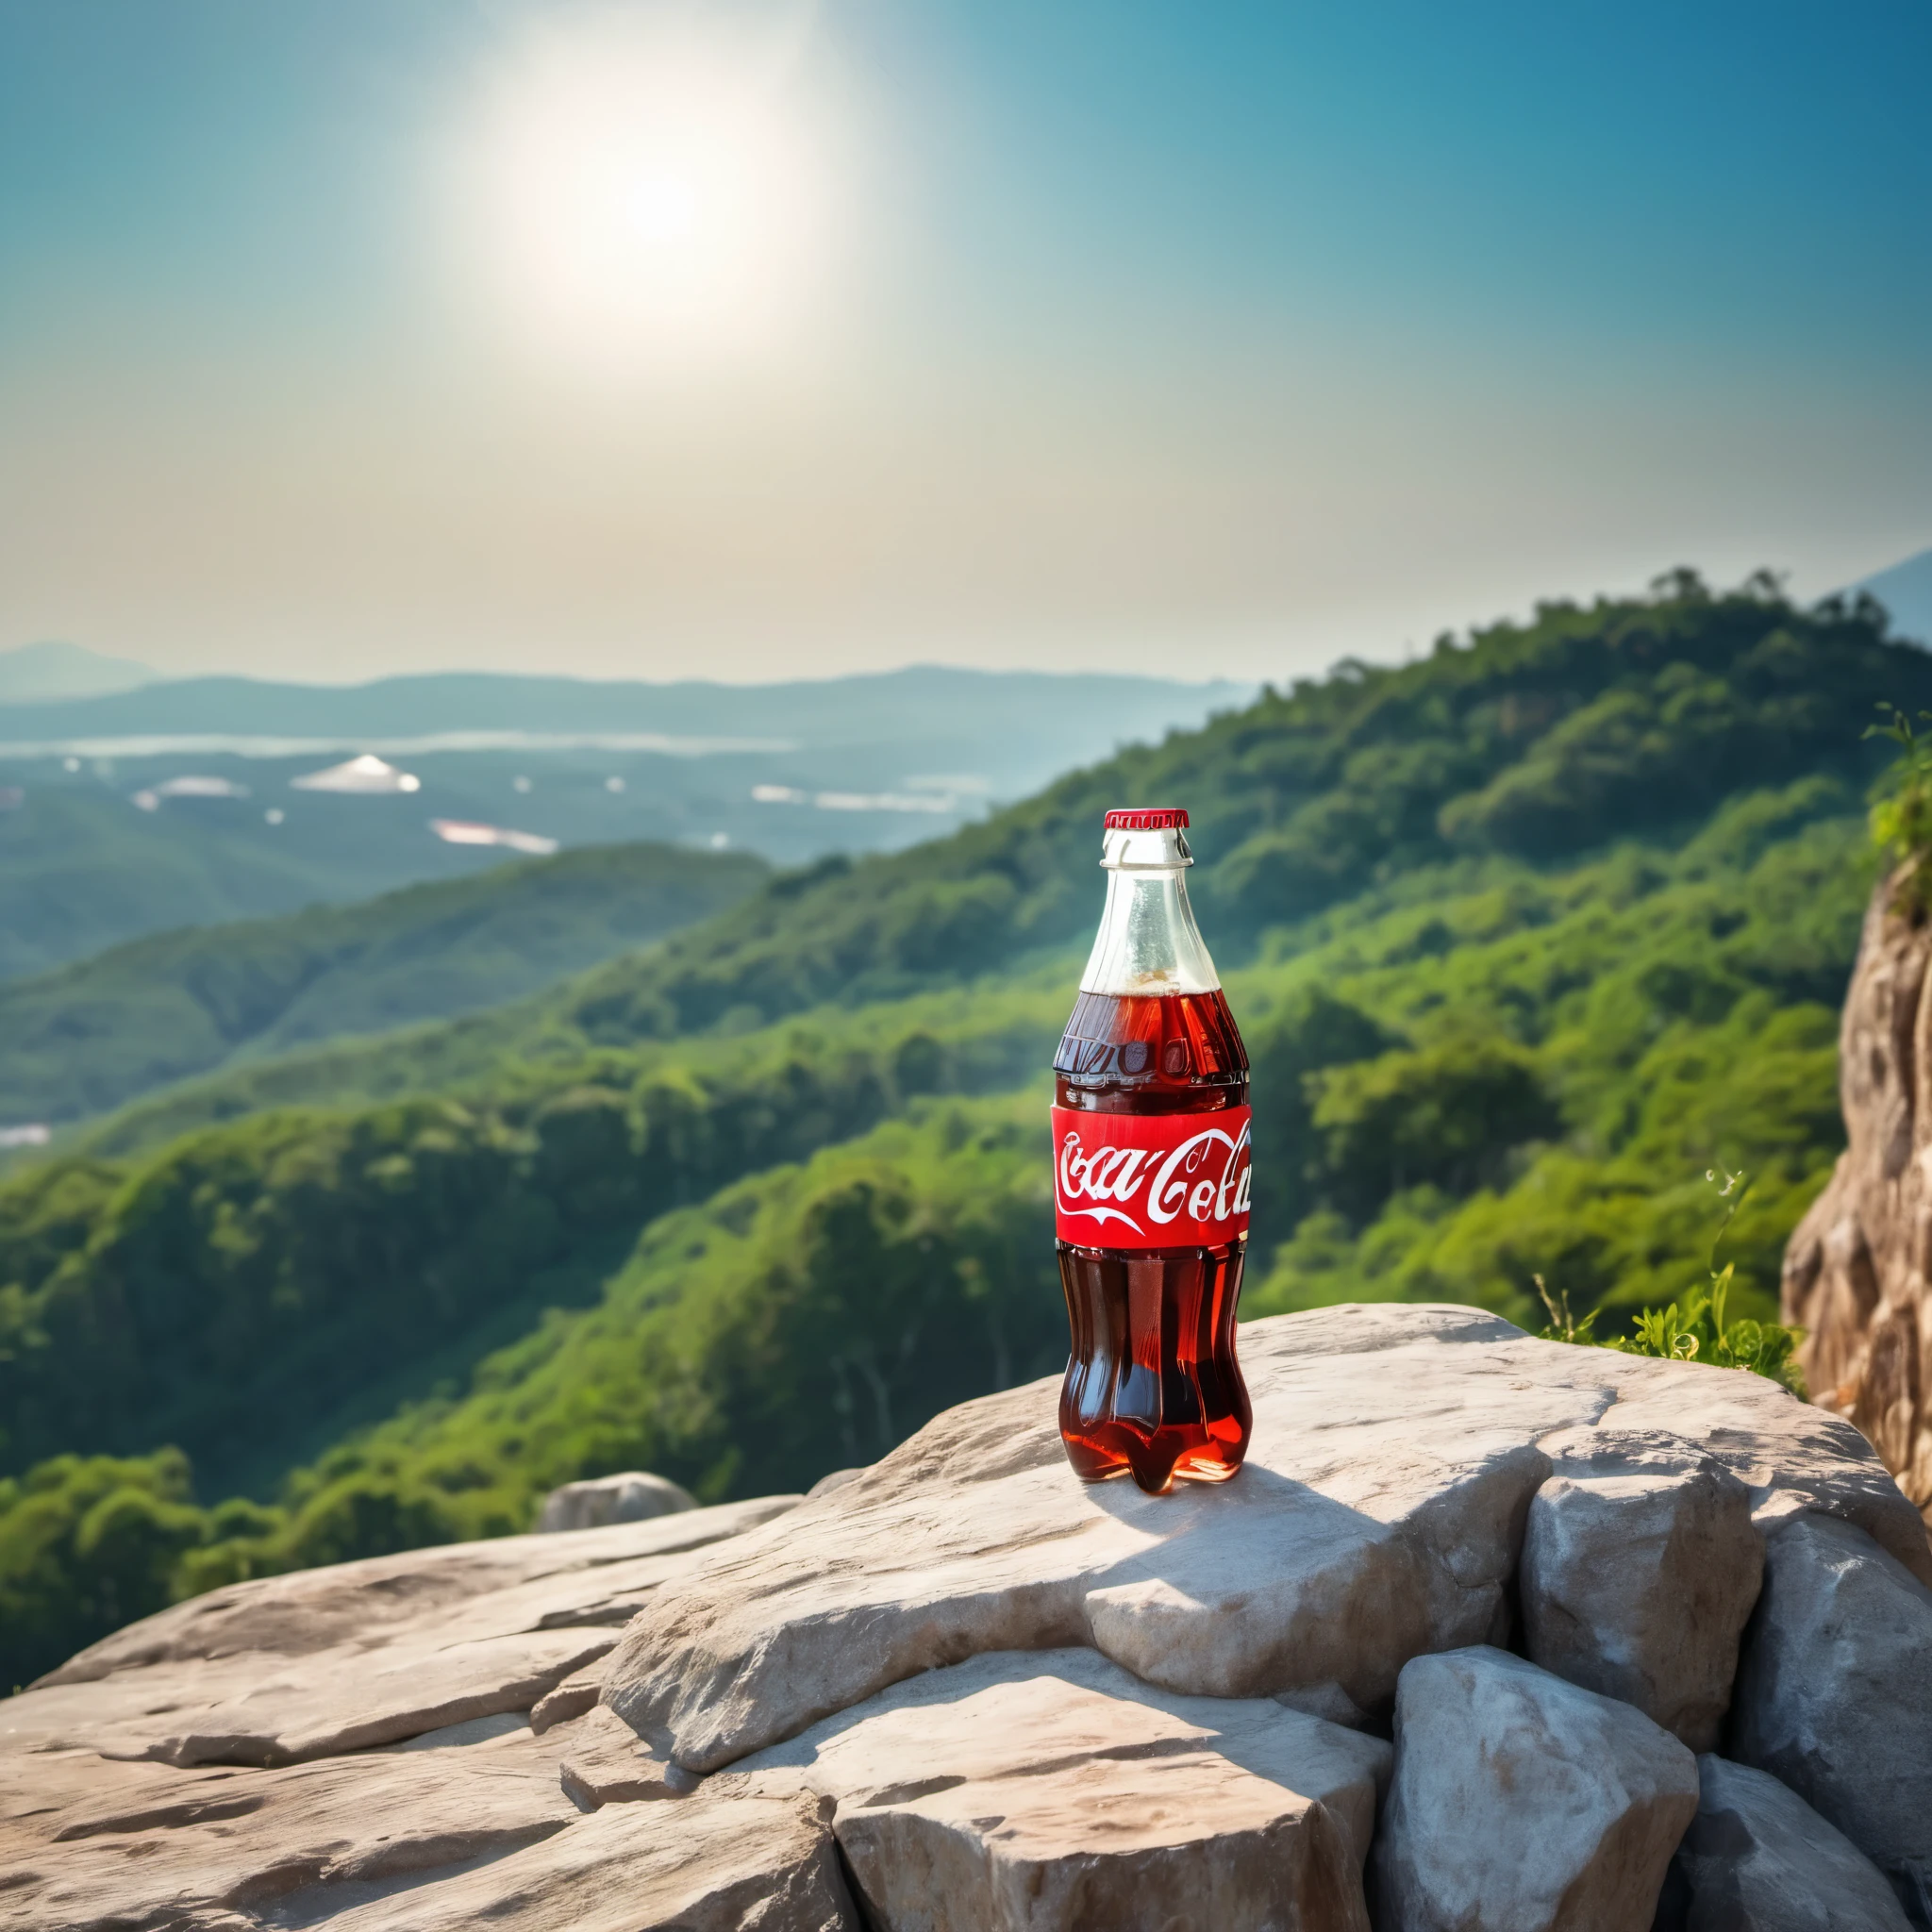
x: 632, y: 193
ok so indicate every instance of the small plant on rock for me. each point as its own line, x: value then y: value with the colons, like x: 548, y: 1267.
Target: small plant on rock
x: 1697, y: 1330
x: 1902, y: 810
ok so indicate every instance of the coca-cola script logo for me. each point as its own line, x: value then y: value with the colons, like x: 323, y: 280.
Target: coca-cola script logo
x: 1146, y: 1181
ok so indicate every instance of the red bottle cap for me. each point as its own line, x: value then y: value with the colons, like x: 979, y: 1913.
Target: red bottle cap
x: 1147, y: 820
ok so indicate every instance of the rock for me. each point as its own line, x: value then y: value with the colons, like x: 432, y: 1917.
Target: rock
x: 1380, y: 1513
x: 1858, y: 1274
x: 635, y: 1496
x: 755, y: 1856
x: 1638, y: 1586
x: 289, y: 1668
x: 833, y: 1479
x: 315, y: 1609
x: 1834, y: 1694
x: 411, y: 1743
x: 147, y: 1851
x: 572, y: 1698
x: 1758, y: 1858
x: 603, y: 1763
x: 1525, y: 1804
x: 396, y: 1839
x: 1053, y: 1793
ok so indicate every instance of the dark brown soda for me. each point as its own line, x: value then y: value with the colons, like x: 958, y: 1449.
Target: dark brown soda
x: 1152, y: 1389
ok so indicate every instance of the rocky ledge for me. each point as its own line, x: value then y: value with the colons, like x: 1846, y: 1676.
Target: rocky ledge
x: 1858, y: 1274
x: 1489, y: 1633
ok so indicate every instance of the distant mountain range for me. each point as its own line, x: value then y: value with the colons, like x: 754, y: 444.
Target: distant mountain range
x: 1906, y: 591
x: 926, y: 699
x: 55, y: 670
x: 185, y: 803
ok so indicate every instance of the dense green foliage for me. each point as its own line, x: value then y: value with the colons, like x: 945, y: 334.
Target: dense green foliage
x: 1902, y: 810
x: 252, y: 1290
x: 87, y: 1543
x: 88, y: 1037
x: 1599, y: 1039
x: 1524, y: 939
x: 1538, y: 742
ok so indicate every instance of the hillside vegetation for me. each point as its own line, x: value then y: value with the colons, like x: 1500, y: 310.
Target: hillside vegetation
x: 1523, y: 937
x: 87, y: 1038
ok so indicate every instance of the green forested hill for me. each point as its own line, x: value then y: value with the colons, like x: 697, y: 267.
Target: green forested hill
x: 79, y: 870
x: 92, y: 1036
x: 1533, y: 743
x: 1524, y: 938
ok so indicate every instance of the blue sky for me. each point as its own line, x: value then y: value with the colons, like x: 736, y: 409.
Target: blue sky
x: 1226, y: 338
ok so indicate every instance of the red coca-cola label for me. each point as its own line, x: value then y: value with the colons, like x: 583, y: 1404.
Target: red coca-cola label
x: 1139, y: 1182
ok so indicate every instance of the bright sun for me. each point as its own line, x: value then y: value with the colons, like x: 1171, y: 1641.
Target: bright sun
x: 632, y: 193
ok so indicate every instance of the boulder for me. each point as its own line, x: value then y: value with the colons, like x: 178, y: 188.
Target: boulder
x: 1522, y: 1803
x: 833, y: 1479
x: 1638, y: 1586
x: 1380, y: 1513
x: 1834, y: 1694
x: 1051, y: 1793
x: 1758, y: 1858
x: 635, y: 1496
x: 1858, y: 1275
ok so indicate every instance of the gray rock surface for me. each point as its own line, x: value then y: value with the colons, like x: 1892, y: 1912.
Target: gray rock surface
x: 144, y: 1849
x: 325, y: 1661
x: 1834, y: 1694
x: 1522, y: 1803
x: 1380, y: 1514
x: 1637, y: 1585
x: 1758, y: 1858
x: 833, y: 1479
x: 1053, y: 1793
x: 605, y: 1762
x: 755, y: 1856
x: 577, y: 1694
x: 415, y: 1742
x: 635, y: 1496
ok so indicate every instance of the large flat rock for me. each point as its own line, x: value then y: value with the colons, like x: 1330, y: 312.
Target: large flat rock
x: 310, y: 1610
x: 755, y: 1857
x: 148, y: 1844
x: 1051, y: 1792
x: 323, y: 1661
x: 1380, y: 1515
x: 1001, y: 1698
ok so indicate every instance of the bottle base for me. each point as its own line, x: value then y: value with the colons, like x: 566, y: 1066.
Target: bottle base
x: 1152, y: 1389
x: 1153, y: 1464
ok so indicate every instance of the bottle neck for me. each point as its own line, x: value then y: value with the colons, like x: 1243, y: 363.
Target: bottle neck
x: 1148, y: 944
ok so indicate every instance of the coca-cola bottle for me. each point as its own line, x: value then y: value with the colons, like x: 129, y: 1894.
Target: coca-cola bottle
x: 1150, y: 1133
